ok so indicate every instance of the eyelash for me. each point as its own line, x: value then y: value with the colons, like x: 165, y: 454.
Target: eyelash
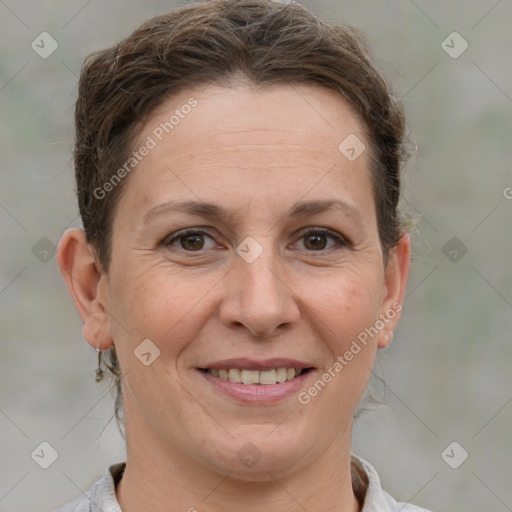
x: 341, y: 242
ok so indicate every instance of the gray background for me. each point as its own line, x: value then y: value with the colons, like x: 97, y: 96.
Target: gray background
x: 448, y: 370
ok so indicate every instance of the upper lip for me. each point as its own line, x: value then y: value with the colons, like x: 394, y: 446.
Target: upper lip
x: 244, y: 363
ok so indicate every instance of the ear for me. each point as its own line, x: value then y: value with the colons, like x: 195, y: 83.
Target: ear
x: 87, y: 286
x: 395, y: 276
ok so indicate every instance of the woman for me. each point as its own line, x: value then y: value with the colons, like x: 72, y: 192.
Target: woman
x: 242, y: 258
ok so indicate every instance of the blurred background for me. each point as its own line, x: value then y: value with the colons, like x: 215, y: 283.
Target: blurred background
x: 443, y: 438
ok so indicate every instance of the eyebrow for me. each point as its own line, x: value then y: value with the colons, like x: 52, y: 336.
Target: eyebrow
x: 214, y: 211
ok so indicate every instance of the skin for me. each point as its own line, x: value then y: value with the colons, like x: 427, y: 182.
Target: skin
x: 255, y: 153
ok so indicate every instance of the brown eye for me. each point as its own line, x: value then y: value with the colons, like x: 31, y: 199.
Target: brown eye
x: 189, y: 241
x: 315, y: 242
x: 192, y: 242
x: 321, y: 240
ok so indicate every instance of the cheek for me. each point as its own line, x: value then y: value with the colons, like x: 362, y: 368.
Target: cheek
x: 151, y: 305
x: 159, y: 305
x: 345, y: 307
x: 349, y: 307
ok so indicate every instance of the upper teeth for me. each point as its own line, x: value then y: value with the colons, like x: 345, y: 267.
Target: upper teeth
x: 255, y: 376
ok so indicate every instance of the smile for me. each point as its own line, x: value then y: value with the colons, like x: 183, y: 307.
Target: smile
x: 263, y: 377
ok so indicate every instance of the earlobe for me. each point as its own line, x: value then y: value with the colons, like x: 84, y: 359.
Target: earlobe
x: 396, y: 274
x: 83, y: 278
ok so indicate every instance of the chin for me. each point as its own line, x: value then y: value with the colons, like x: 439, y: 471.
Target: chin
x: 253, y: 459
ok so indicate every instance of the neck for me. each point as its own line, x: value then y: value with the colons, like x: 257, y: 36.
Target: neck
x: 162, y: 481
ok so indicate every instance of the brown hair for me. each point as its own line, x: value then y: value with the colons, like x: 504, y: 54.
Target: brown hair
x: 225, y: 42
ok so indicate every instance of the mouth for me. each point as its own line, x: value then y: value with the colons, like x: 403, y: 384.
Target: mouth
x: 258, y: 377
x: 257, y: 381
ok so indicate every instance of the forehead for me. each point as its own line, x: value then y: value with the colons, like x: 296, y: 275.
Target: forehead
x: 309, y: 115
x: 216, y: 141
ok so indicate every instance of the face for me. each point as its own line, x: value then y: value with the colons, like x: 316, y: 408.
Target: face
x: 246, y: 240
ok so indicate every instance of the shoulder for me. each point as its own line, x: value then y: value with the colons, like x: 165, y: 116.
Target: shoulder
x: 80, y: 504
x: 399, y: 506
x: 367, y: 485
x: 102, y: 494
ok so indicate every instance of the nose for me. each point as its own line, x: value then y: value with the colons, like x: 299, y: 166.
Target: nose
x: 258, y: 297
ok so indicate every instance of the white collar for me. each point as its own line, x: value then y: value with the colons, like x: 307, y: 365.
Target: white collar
x: 102, y: 495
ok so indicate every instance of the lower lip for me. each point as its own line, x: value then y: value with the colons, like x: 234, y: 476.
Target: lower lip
x: 261, y: 393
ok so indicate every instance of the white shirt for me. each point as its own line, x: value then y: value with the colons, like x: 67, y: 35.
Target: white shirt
x: 365, y: 482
